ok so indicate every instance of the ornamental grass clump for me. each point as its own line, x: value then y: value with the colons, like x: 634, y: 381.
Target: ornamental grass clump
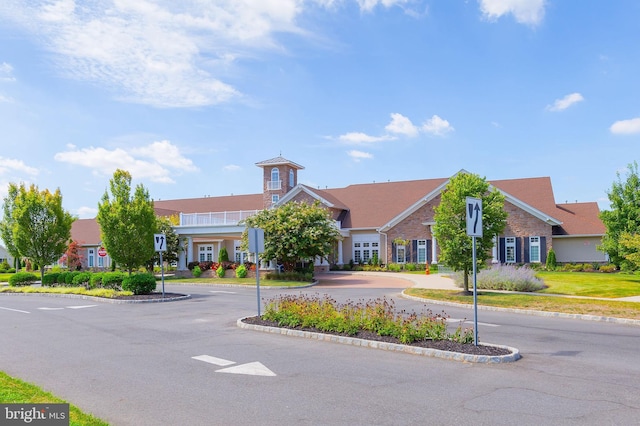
x: 375, y: 316
x: 506, y: 277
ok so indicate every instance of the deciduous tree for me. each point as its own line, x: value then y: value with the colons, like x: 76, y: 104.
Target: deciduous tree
x: 6, y: 225
x: 40, y: 226
x: 293, y: 232
x: 165, y: 226
x: 456, y: 247
x: 127, y: 223
x: 623, y: 218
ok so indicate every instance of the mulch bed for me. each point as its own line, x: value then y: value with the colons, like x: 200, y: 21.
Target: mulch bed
x: 150, y: 296
x: 443, y: 345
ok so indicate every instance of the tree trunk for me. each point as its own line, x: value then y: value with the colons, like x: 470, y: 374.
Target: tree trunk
x: 466, y: 282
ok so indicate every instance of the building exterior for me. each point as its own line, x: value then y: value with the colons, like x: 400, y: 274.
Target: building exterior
x: 391, y: 221
x: 5, y: 256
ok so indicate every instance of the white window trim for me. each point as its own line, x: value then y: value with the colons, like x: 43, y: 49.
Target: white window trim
x: 534, y: 242
x: 510, y: 242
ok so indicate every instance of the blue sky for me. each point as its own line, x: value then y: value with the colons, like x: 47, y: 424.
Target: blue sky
x: 189, y: 95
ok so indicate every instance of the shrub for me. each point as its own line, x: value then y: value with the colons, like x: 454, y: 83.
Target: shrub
x: 223, y: 255
x: 62, y: 277
x: 81, y: 279
x: 241, y: 271
x: 22, y: 279
x: 394, y: 267
x: 551, y: 263
x: 139, y: 283
x: 50, y: 278
x: 607, y: 268
x: 410, y: 267
x: 4, y: 266
x: 196, y: 271
x: 68, y: 278
x: 505, y: 277
x: 290, y: 276
x: 220, y: 272
x: 113, y: 280
x: 96, y: 280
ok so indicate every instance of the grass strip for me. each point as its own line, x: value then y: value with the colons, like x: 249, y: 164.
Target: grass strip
x: 14, y: 390
x: 606, y: 308
x: 591, y: 284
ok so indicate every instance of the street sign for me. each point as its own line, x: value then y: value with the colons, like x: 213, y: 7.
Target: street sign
x: 102, y: 252
x: 160, y: 242
x: 256, y: 240
x: 474, y: 217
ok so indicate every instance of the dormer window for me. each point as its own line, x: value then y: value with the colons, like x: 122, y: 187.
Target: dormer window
x: 291, y: 178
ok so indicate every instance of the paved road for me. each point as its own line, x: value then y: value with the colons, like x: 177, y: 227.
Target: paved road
x: 134, y: 365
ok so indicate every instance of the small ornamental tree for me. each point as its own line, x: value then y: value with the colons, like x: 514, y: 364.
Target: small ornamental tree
x: 456, y: 247
x: 72, y: 257
x: 294, y: 231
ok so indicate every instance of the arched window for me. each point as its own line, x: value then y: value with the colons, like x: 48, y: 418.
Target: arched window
x: 291, y: 178
x: 275, y: 174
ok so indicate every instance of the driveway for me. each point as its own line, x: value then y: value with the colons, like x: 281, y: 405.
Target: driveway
x: 363, y: 279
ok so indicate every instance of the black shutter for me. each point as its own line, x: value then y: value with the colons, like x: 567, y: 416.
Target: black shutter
x: 518, y: 250
x: 393, y: 253
x: 527, y: 244
x: 429, y: 254
x: 543, y: 250
x: 414, y: 251
x: 502, y: 251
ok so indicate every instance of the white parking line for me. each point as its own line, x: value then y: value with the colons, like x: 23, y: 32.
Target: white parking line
x: 81, y: 306
x: 51, y: 309
x: 222, y: 291
x: 15, y: 310
x: 466, y: 321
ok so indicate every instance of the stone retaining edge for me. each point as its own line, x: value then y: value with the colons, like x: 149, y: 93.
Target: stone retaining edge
x: 394, y: 347
x: 101, y: 299
x: 627, y: 321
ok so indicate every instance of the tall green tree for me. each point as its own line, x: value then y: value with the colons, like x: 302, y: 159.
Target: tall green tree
x: 456, y: 247
x: 6, y: 225
x: 127, y: 223
x: 623, y: 218
x: 40, y: 226
x: 293, y: 232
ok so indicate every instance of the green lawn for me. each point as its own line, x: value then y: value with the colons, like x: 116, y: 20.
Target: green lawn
x: 13, y: 390
x: 607, y: 308
x: 591, y: 284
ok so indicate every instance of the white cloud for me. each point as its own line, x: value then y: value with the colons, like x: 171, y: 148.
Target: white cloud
x: 10, y: 165
x: 359, y: 138
x: 437, y: 126
x: 566, y: 102
x: 6, y: 72
x: 231, y: 168
x: 626, y: 127
x: 86, y: 212
x: 357, y: 156
x: 369, y: 5
x: 530, y: 12
x: 156, y: 163
x: 401, y: 125
x: 5, y: 99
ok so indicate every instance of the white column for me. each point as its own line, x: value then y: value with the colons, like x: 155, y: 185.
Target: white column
x: 434, y: 248
x: 494, y: 250
x: 189, y: 249
x: 340, y: 262
x: 182, y: 257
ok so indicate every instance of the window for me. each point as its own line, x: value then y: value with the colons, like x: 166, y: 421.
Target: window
x: 100, y: 261
x: 534, y: 249
x: 366, y: 252
x: 291, y: 178
x: 275, y: 198
x: 510, y: 249
x: 422, y: 251
x: 375, y: 251
x: 357, y: 252
x: 205, y: 253
x: 401, y: 254
x: 91, y: 253
x: 239, y: 255
x: 275, y: 174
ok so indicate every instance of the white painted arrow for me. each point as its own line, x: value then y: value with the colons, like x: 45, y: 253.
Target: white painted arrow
x: 252, y: 369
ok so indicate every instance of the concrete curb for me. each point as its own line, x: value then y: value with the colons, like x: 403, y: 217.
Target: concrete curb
x: 393, y: 347
x: 583, y: 317
x: 101, y: 299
